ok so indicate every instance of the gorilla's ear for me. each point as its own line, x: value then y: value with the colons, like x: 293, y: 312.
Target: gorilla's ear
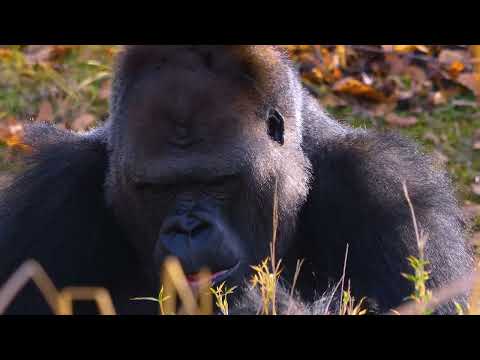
x: 276, y: 126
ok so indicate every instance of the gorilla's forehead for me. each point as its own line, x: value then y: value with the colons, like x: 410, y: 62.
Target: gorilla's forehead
x: 190, y: 109
x: 180, y: 91
x: 256, y: 62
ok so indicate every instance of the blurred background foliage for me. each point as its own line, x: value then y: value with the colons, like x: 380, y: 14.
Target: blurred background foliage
x: 428, y: 92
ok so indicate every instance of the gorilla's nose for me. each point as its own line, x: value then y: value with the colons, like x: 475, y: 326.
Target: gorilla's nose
x: 197, y: 236
x: 189, y: 239
x: 182, y: 225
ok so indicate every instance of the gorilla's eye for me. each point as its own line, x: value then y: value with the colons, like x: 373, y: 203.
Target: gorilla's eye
x: 276, y: 126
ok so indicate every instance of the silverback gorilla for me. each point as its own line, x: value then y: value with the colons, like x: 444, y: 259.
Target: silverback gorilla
x: 187, y: 164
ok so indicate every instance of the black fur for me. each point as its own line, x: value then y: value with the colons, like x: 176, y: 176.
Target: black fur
x: 72, y: 210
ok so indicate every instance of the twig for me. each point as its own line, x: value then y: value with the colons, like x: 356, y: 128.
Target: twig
x: 412, y: 212
x: 475, y: 296
x: 343, y: 277
x: 295, y: 278
x: 61, y: 302
x: 29, y: 270
x: 175, y: 282
x: 274, y: 243
x: 100, y: 295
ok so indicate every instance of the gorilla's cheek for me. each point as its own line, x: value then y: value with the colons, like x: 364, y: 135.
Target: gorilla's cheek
x: 198, y: 235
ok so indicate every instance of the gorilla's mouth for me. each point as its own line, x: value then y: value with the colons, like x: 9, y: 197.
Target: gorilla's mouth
x: 215, y: 279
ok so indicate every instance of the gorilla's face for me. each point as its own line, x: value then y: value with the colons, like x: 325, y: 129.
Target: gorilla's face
x: 197, y: 155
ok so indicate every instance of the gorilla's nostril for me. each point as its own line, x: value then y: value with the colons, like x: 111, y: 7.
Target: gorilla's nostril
x: 183, y: 225
x: 200, y: 228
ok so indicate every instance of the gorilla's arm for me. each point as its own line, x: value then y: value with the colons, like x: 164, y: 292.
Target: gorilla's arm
x: 357, y: 199
x: 55, y: 213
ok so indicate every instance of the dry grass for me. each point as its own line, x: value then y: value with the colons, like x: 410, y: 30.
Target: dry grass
x: 61, y: 302
x: 266, y: 276
x: 221, y: 293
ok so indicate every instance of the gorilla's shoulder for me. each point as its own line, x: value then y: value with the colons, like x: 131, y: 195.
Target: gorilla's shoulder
x: 55, y: 196
x: 56, y: 152
x: 384, y: 160
x: 59, y: 160
x: 42, y: 136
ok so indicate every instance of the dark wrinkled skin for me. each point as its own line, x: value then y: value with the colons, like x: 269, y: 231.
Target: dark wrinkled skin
x: 186, y: 166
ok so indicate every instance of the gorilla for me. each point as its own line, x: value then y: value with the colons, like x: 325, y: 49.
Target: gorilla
x: 200, y: 142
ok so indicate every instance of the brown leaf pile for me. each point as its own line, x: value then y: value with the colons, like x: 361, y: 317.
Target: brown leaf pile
x: 11, y: 134
x: 384, y: 78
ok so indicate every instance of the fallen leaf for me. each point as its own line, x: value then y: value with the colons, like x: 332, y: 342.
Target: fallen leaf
x: 10, y: 126
x: 453, y: 62
x: 397, y: 63
x: 341, y: 51
x: 440, y: 157
x: 6, y: 54
x: 83, y: 122
x: 430, y: 136
x: 423, y: 48
x: 104, y: 92
x: 471, y: 211
x: 35, y: 54
x: 476, y: 239
x: 332, y: 100
x: 476, y: 185
x: 475, y: 50
x: 11, y: 133
x: 476, y: 189
x: 417, y: 74
x: 387, y: 48
x: 367, y: 79
x: 438, y: 98
x: 400, y: 121
x: 465, y: 103
x: 410, y: 48
x: 447, y: 57
x: 470, y: 81
x: 476, y: 140
x: 352, y: 86
x: 315, y: 76
x: 14, y: 141
x: 336, y: 74
x: 383, y: 109
x: 5, y: 132
x: 405, y: 95
x: 455, y: 68
x: 45, y: 112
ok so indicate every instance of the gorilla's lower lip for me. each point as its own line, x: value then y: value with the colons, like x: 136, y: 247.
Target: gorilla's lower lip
x: 224, y: 275
x: 216, y: 278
